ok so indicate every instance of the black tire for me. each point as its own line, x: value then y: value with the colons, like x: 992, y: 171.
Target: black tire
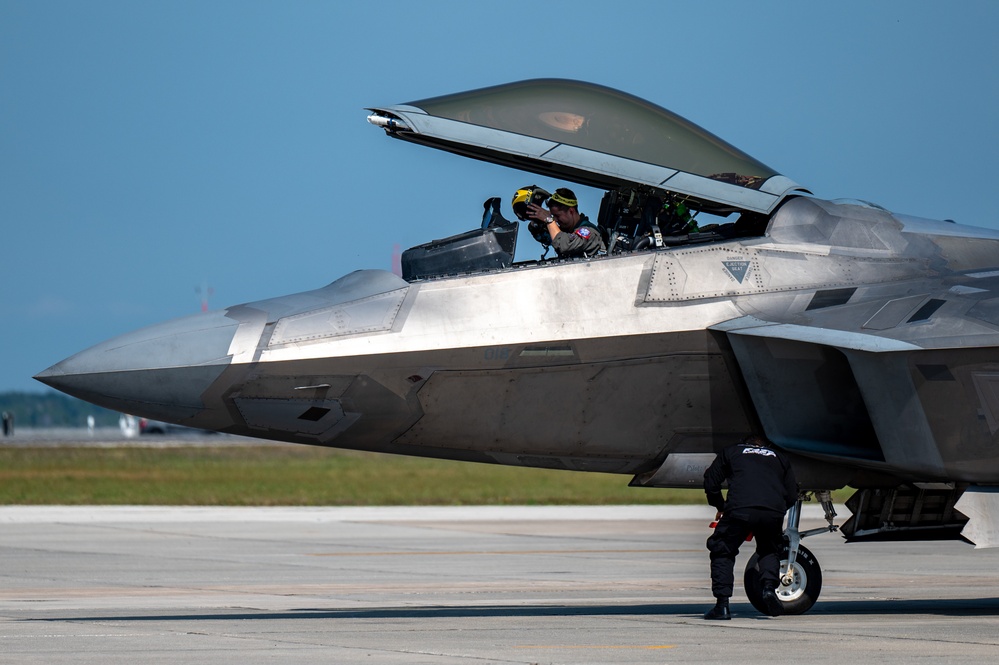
x: 802, y: 593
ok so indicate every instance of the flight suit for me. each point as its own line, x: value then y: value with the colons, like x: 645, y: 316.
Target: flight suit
x: 761, y: 488
x: 584, y: 240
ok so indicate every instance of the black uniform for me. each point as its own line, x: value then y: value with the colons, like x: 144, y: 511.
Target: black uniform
x: 761, y: 487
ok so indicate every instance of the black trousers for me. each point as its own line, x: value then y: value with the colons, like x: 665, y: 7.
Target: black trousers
x: 767, y: 528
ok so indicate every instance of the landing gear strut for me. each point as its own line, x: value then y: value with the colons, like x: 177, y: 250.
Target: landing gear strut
x: 800, y: 575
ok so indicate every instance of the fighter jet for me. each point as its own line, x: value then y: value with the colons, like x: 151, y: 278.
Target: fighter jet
x: 730, y: 301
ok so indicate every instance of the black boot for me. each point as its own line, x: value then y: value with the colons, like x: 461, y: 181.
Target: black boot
x: 719, y: 612
x: 770, y: 600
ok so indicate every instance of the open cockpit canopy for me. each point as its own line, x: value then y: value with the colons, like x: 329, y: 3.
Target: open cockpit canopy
x: 591, y: 135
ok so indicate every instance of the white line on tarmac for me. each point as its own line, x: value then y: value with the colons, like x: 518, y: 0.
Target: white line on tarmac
x: 300, y: 514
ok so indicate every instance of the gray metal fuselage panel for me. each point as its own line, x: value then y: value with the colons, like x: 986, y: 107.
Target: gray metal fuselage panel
x: 853, y: 338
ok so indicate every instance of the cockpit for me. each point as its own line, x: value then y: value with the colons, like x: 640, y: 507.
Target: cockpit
x: 667, y: 181
x: 629, y: 221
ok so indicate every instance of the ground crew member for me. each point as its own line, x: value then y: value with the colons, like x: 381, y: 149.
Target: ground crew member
x: 761, y: 488
x: 571, y: 233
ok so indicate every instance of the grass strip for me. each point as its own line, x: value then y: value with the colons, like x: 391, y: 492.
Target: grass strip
x: 296, y: 476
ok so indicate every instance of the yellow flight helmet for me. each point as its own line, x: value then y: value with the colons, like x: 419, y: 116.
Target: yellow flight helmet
x: 526, y: 195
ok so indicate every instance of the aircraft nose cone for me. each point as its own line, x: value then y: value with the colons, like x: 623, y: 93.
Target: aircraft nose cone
x: 158, y: 372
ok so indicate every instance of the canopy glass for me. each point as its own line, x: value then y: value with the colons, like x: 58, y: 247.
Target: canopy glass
x: 602, y: 119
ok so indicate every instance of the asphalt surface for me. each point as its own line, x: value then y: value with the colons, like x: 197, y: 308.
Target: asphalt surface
x: 457, y: 585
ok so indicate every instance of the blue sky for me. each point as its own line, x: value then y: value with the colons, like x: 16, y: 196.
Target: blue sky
x: 147, y: 148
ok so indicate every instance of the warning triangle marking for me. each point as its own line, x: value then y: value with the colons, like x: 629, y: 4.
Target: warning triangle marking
x: 737, y: 269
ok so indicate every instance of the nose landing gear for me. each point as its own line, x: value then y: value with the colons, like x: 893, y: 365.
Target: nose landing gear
x: 797, y: 592
x: 800, y: 574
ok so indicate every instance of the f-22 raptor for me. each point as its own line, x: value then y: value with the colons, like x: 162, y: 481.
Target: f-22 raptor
x: 730, y: 301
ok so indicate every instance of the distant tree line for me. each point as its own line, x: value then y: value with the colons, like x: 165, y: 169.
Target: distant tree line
x: 52, y: 409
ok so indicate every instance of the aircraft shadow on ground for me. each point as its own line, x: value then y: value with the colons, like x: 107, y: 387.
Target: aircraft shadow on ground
x: 944, y: 607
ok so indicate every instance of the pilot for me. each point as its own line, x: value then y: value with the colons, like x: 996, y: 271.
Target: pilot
x: 571, y: 233
x: 761, y: 488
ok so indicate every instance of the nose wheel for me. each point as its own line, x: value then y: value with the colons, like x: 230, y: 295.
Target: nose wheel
x: 800, y: 575
x: 798, y: 590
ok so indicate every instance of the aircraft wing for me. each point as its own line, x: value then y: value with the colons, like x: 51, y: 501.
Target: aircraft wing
x: 904, y: 383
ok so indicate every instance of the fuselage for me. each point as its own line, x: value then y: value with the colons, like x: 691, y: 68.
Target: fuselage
x: 609, y: 364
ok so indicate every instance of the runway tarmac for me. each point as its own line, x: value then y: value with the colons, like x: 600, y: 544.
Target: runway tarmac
x: 617, y: 584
